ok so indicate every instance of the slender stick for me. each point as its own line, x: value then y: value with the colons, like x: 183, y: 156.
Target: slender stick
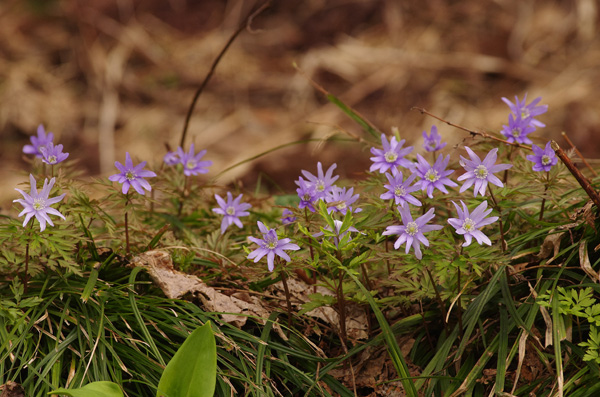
x: 341, y: 302
x: 503, y: 244
x: 438, y: 298
x: 126, y: 224
x: 472, y: 132
x: 583, y: 181
x: 544, y: 198
x: 564, y: 134
x: 287, y: 298
x: 243, y: 25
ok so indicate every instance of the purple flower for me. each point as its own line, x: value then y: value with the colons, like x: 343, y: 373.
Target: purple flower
x: 36, y: 142
x: 469, y: 224
x: 172, y: 158
x: 231, y: 210
x: 322, y: 183
x: 191, y: 162
x: 307, y: 193
x: 392, y: 155
x: 341, y: 200
x: 287, y: 217
x: 39, y: 204
x: 400, y: 191
x: 479, y: 173
x: 543, y: 159
x: 433, y: 177
x: 132, y: 176
x: 411, y: 232
x: 53, y: 154
x: 433, y: 142
x: 518, y: 129
x: 338, y: 237
x: 527, y: 111
x: 270, y: 246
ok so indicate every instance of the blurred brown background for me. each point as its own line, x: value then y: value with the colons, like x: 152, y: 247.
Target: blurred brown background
x: 110, y: 76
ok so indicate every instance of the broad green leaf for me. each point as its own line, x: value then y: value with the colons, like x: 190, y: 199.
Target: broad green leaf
x: 94, y: 389
x: 192, y: 372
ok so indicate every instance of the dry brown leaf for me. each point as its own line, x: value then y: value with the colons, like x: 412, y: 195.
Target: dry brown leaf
x: 584, y: 262
x: 176, y: 284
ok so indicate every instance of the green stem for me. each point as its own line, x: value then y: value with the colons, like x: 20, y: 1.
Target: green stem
x: 287, y: 298
x: 341, y: 301
x: 497, y: 207
x: 126, y: 224
x: 544, y: 198
x: 438, y: 297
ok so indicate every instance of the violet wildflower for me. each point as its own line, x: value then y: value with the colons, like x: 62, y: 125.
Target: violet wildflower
x: 400, y: 191
x: 338, y: 236
x: 38, y: 204
x: 287, y: 217
x: 132, y: 176
x: 518, y: 129
x: 433, y: 142
x: 231, y: 210
x: 270, y: 246
x: 433, y: 177
x: 412, y: 231
x: 172, y: 158
x: 527, y: 111
x: 341, y: 200
x: 391, y: 156
x: 469, y: 224
x: 307, y: 193
x: 543, y: 159
x: 479, y: 173
x: 53, y: 154
x: 322, y: 183
x: 37, y: 142
x: 191, y: 161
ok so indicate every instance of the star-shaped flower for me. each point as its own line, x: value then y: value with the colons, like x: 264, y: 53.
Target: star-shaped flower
x: 132, y: 176
x: 287, y: 217
x: 36, y: 142
x: 53, y: 154
x: 391, y: 156
x: 191, y: 161
x: 322, y: 183
x: 270, y: 246
x: 518, y: 129
x: 543, y: 159
x: 231, y: 210
x: 307, y: 194
x: 400, y: 191
x: 341, y: 200
x: 527, y: 111
x: 433, y: 177
x: 433, y: 142
x: 38, y: 204
x: 412, y: 231
x: 479, y: 173
x: 469, y: 224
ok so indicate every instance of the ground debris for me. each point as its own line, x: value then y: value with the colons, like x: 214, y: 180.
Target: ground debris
x: 12, y: 389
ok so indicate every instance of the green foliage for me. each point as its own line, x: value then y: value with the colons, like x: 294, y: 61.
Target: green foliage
x: 193, y: 369
x: 94, y: 389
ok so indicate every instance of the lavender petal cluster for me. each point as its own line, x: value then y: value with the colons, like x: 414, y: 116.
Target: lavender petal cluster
x: 433, y: 142
x: 132, y: 176
x: 543, y: 159
x: 469, y: 225
x: 391, y: 156
x: 190, y: 160
x: 517, y: 129
x: 400, y: 191
x: 433, y: 177
x: 270, y: 245
x: 411, y: 232
x: 38, y: 142
x: 479, y: 173
x: 53, y: 154
x: 232, y: 210
x: 287, y: 217
x: 341, y: 200
x: 527, y: 112
x: 322, y: 183
x: 39, y: 204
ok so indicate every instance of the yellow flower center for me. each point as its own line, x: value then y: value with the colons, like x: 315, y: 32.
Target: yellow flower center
x: 481, y: 172
x: 468, y: 225
x: 39, y: 204
x: 546, y: 159
x: 191, y: 164
x: 390, y: 157
x: 130, y: 176
x: 432, y: 175
x: 52, y: 159
x: 230, y: 210
x: 399, y: 191
x: 412, y: 228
